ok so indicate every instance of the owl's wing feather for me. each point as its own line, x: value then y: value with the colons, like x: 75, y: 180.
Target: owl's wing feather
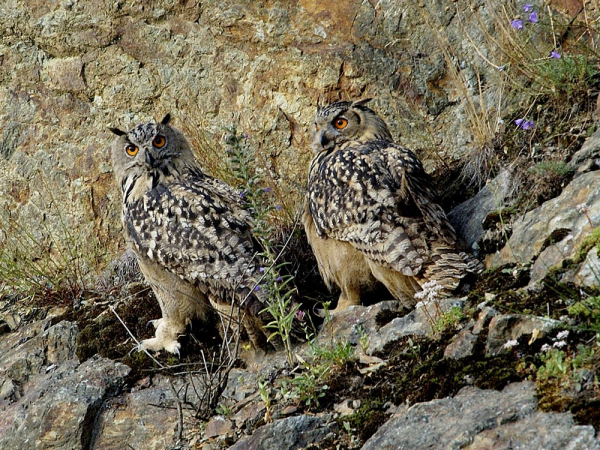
x: 377, y: 197
x: 418, y: 187
x: 207, y: 242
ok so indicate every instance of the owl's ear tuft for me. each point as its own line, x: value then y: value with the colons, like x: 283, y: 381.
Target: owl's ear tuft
x: 320, y: 104
x: 362, y: 102
x: 118, y: 132
x: 166, y: 119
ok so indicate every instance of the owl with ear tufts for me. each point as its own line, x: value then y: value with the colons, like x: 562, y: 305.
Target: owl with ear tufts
x: 372, y: 213
x: 190, y: 233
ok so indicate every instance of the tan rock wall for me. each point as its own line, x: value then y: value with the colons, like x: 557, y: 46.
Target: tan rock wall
x: 70, y: 69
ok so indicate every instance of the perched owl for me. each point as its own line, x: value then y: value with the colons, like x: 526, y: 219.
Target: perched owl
x: 190, y: 233
x: 372, y: 213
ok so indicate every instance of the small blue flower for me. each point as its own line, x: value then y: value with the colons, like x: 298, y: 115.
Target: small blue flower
x: 243, y: 194
x: 525, y: 124
x: 278, y: 207
x: 267, y: 189
x: 533, y: 17
x: 555, y: 54
x: 261, y: 269
x: 527, y: 7
x: 257, y: 288
x: 279, y: 279
x: 246, y: 136
x: 517, y: 24
x: 501, y: 68
x: 528, y: 125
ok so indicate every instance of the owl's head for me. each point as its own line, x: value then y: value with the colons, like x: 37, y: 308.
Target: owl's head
x: 343, y: 122
x: 152, y: 149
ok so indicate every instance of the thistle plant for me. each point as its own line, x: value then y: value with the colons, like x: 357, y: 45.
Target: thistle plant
x: 279, y: 289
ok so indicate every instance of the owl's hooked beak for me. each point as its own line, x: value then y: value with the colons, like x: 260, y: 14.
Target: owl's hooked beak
x: 321, y: 141
x: 150, y: 160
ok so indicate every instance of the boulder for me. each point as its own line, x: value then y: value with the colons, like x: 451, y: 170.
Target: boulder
x: 482, y: 419
x: 531, y: 240
x: 290, y: 433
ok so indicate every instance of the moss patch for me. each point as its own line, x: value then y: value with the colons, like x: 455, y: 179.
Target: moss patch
x: 100, y: 332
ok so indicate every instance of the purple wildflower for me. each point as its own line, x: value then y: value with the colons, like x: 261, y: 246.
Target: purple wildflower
x: 527, y: 7
x: 299, y: 314
x: 528, y: 125
x: 533, y: 17
x: 517, y: 24
x: 267, y: 189
x: 525, y: 124
x: 243, y: 194
x: 555, y: 54
x: 261, y: 269
x: 279, y: 279
x: 246, y: 136
x: 257, y: 288
x: 501, y: 68
x: 278, y: 207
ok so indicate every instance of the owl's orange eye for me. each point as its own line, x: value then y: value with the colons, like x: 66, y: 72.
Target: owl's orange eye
x: 131, y: 150
x: 159, y: 141
x: 340, y: 123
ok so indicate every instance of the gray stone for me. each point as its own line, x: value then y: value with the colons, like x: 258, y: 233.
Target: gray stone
x: 218, y: 426
x: 146, y: 418
x: 587, y: 273
x: 587, y: 158
x: 290, y: 433
x: 462, y: 343
x: 250, y: 414
x: 531, y: 231
x: 467, y: 218
x: 482, y: 419
x: 508, y: 327
x: 48, y: 399
x: 383, y: 323
x: 418, y: 322
x: 56, y: 408
x: 347, y: 325
x: 545, y: 431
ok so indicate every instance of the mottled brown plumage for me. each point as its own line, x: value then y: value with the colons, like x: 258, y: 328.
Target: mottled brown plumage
x: 189, y: 231
x: 372, y: 212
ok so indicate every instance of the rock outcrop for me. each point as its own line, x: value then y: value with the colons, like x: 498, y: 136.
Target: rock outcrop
x: 480, y: 419
x: 70, y: 69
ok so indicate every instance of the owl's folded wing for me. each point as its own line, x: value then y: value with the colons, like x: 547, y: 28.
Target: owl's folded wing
x: 377, y: 197
x: 204, y: 241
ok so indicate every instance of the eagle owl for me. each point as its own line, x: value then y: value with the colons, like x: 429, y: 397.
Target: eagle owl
x: 189, y: 231
x: 372, y: 213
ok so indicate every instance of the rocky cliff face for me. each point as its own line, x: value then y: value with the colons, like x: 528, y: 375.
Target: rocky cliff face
x: 490, y: 369
x: 71, y: 69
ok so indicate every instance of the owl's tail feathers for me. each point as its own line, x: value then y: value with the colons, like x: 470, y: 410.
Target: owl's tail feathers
x: 451, y: 270
x: 473, y: 264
